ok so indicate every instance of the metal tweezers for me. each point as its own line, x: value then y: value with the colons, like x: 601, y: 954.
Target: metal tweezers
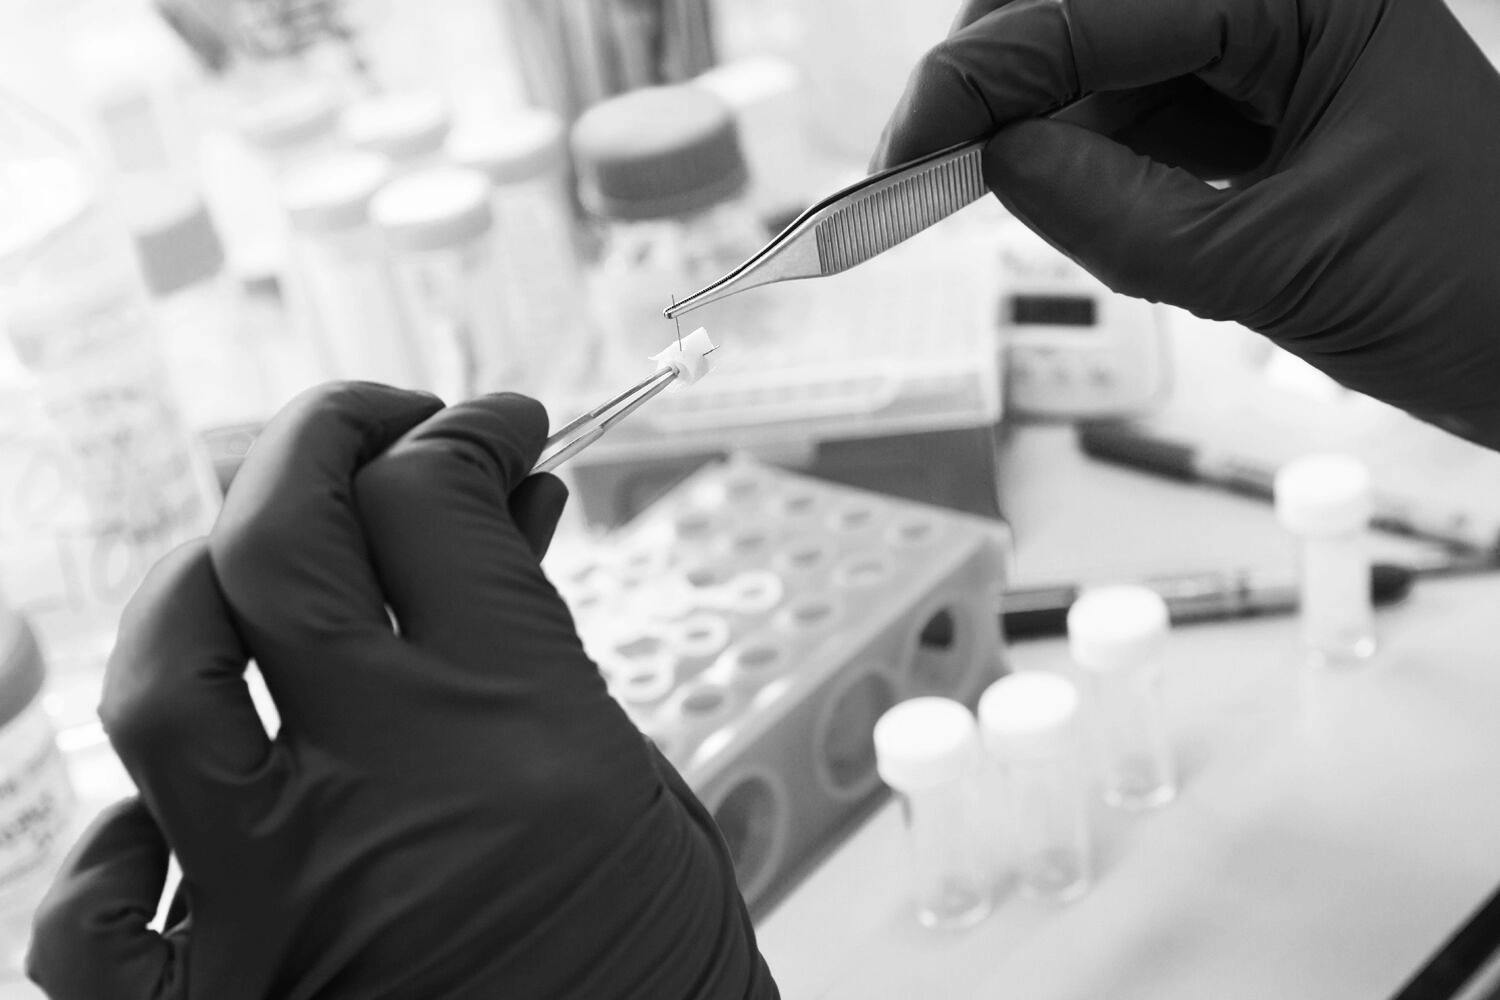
x: 858, y: 222
x: 590, y: 427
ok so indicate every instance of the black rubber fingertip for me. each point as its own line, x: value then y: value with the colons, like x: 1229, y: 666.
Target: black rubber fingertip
x: 536, y: 506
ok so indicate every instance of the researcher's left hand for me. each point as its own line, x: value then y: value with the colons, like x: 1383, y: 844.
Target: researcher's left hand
x: 452, y: 809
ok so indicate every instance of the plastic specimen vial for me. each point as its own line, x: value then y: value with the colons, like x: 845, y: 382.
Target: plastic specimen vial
x: 1325, y: 500
x: 1029, y: 726
x: 438, y: 228
x: 1115, y: 634
x: 408, y: 128
x: 525, y: 155
x: 662, y: 173
x: 928, y: 751
x: 339, y: 286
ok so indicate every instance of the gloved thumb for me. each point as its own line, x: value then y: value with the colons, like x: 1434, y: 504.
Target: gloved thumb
x: 1143, y: 228
x: 90, y: 937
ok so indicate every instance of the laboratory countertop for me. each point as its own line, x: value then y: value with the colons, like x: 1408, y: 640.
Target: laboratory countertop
x: 1331, y: 830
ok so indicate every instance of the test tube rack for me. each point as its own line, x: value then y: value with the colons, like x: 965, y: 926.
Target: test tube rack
x: 755, y: 623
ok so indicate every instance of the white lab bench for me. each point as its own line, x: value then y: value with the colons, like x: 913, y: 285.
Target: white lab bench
x: 1331, y: 830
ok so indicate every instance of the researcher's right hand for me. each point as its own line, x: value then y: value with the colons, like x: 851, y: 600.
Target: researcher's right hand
x: 455, y: 810
x: 1362, y: 137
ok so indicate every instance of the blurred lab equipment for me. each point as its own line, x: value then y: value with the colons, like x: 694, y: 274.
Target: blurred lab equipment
x: 928, y: 750
x: 74, y: 310
x: 438, y: 229
x: 1325, y: 501
x: 36, y: 795
x: 407, y: 128
x: 340, y: 287
x: 1140, y: 448
x: 769, y: 105
x: 755, y: 623
x: 218, y: 373
x: 524, y: 153
x: 1039, y: 612
x: 1115, y: 635
x: 575, y: 53
x: 1074, y: 349
x: 662, y: 172
x: 1029, y: 725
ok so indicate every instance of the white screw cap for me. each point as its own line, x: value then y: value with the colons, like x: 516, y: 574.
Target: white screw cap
x: 433, y: 209
x: 925, y: 742
x: 333, y: 192
x: 1114, y: 627
x: 1028, y: 714
x: 402, y: 126
x: 1324, y: 494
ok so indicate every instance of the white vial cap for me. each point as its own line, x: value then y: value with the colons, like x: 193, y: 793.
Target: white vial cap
x: 1028, y: 714
x: 513, y: 147
x: 292, y: 116
x: 1324, y: 494
x: 925, y: 742
x: 402, y: 126
x: 333, y: 192
x: 433, y: 209
x: 1113, y: 627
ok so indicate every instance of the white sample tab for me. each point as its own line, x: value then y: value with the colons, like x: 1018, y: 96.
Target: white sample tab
x: 689, y: 357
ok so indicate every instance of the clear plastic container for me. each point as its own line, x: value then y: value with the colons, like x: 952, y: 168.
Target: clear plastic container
x: 524, y: 154
x: 340, y: 286
x: 1029, y: 727
x: 218, y: 373
x: 662, y: 173
x: 438, y: 228
x: 131, y: 482
x: 928, y: 751
x: 1116, y: 634
x: 1326, y: 501
x: 37, y: 801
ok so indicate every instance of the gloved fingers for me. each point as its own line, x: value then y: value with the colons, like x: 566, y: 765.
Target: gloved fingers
x: 1143, y: 228
x: 287, y: 548
x: 179, y: 714
x: 536, y: 505
x: 462, y: 578
x: 90, y: 937
x: 1032, y: 57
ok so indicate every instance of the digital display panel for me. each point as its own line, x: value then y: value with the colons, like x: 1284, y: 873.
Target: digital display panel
x: 1052, y: 310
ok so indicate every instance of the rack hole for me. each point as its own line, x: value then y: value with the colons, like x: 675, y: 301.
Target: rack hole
x: 848, y: 741
x: 750, y: 818
x: 758, y: 659
x: 914, y: 531
x: 941, y: 660
x: 864, y: 571
x: 854, y: 518
x: 749, y: 543
x: 704, y: 701
x: 693, y: 525
x: 704, y: 577
x: 811, y: 613
x: 798, y: 503
x: 640, y: 648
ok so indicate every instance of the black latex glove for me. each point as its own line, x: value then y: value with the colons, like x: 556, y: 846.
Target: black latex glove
x: 457, y: 811
x: 1362, y: 229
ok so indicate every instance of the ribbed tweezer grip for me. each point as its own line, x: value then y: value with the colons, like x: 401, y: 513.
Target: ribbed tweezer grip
x: 886, y: 216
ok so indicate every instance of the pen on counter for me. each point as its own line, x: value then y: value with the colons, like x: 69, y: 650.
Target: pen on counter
x: 1138, y: 449
x: 1037, y: 612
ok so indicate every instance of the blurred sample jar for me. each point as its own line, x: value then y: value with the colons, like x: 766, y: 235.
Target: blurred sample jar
x: 37, y: 801
x: 438, y: 228
x: 1028, y: 724
x: 662, y: 171
x: 219, y: 375
x: 340, y: 287
x: 279, y: 130
x: 408, y: 128
x: 74, y: 309
x: 928, y: 751
x: 524, y: 153
x: 1326, y: 501
x: 1116, y: 634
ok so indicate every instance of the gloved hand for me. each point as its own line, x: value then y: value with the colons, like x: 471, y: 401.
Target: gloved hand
x: 457, y: 809
x: 1362, y: 138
